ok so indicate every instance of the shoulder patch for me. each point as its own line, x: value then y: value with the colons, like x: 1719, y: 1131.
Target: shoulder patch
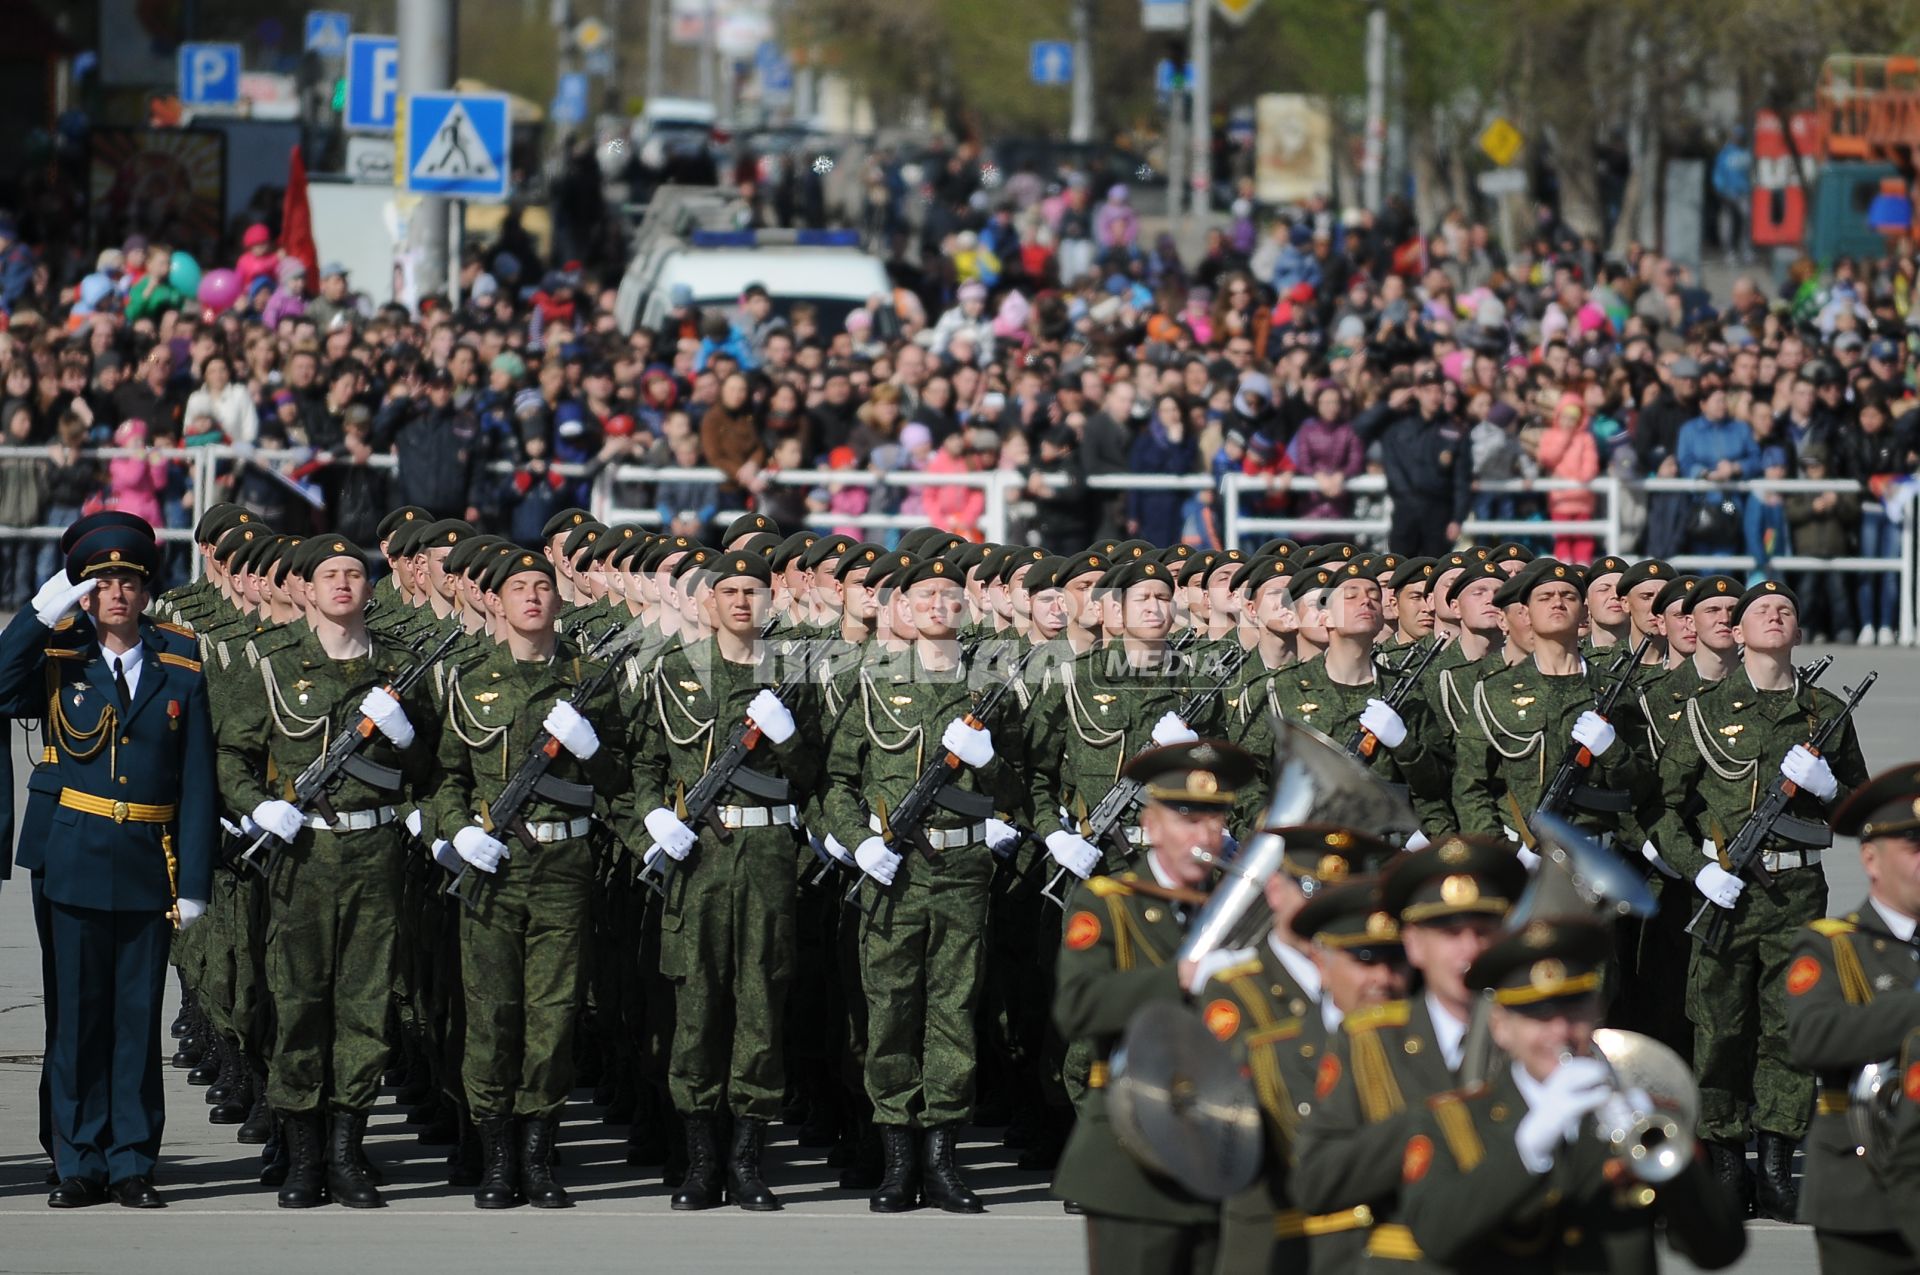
x: 1373, y: 1017
x: 180, y: 661
x: 1417, y: 1159
x: 1802, y: 975
x: 1832, y: 927
x: 1327, y: 1077
x: 1082, y: 932
x: 1222, y: 1018
x: 179, y: 630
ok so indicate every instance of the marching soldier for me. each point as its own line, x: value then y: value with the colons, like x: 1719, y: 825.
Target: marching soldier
x: 335, y: 883
x: 1450, y: 899
x: 1737, y: 735
x: 522, y: 943
x: 728, y: 921
x: 1510, y: 1175
x: 1411, y: 585
x: 1850, y: 1001
x: 1607, y: 618
x: 1117, y: 954
x: 127, y: 854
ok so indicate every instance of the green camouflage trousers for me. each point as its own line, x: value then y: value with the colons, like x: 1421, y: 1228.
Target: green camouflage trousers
x: 727, y: 943
x: 330, y: 954
x: 1737, y: 999
x: 523, y: 956
x: 922, y: 961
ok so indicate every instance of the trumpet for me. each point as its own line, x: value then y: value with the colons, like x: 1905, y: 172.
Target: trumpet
x: 1651, y: 1143
x: 1874, y: 1096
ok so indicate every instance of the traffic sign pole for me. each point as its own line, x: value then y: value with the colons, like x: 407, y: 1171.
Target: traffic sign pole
x: 1200, y: 178
x: 426, y: 66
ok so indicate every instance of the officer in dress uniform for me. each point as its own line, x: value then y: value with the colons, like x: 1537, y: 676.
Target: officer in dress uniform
x: 1117, y: 954
x: 1851, y: 1000
x: 1512, y: 1175
x: 128, y: 851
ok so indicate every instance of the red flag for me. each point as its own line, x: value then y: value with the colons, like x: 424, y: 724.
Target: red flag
x: 296, y: 222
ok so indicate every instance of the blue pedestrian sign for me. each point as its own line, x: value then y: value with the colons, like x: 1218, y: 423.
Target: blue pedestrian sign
x: 1051, y: 63
x: 1164, y: 82
x: 456, y: 145
x: 373, y: 82
x: 327, y: 32
x: 210, y: 74
x: 569, y: 104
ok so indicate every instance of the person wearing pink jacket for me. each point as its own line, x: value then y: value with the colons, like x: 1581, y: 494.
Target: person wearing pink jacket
x: 1567, y: 451
x: 955, y: 509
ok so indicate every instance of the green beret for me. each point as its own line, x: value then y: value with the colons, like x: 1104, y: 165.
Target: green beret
x: 1715, y: 586
x: 1414, y: 571
x: 827, y: 548
x: 696, y: 559
x: 1765, y: 589
x: 881, y: 574
x: 1511, y: 551
x: 1643, y: 572
x: 1278, y: 548
x: 236, y: 538
x: 1519, y: 590
x: 1678, y: 589
x: 583, y: 537
x: 792, y: 549
x: 1071, y: 569
x: 1044, y: 574
x: 520, y: 564
x: 317, y: 549
x: 614, y: 539
x: 1221, y: 561
x: 1127, y: 572
x: 1263, y: 568
x: 404, y: 514
x: 760, y: 542
x: 726, y: 564
x: 663, y: 548
x: 860, y: 555
x: 747, y: 525
x: 564, y: 521
x: 219, y: 520
x: 1483, y: 570
x: 1607, y: 566
x: 924, y: 569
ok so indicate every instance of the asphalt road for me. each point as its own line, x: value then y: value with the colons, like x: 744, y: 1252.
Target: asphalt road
x: 220, y: 1219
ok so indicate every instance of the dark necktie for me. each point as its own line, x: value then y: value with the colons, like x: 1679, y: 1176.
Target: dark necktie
x: 120, y: 681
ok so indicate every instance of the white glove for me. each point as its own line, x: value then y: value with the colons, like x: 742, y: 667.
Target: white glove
x: 1073, y: 852
x: 281, y: 818
x: 189, y: 911
x: 446, y: 856
x: 58, y: 597
x: 388, y: 717
x: 1577, y: 1087
x: 652, y: 856
x: 1652, y: 856
x: 839, y: 851
x: 1809, y: 772
x: 673, y: 835
x: 574, y: 732
x: 415, y: 821
x: 771, y: 716
x: 1417, y: 840
x: 1594, y: 732
x: 1528, y: 858
x: 1385, y: 725
x: 1619, y: 1110
x: 1001, y: 836
x: 1215, y: 961
x: 1171, y: 730
x: 876, y: 860
x: 1721, y: 887
x: 478, y: 849
x: 971, y: 744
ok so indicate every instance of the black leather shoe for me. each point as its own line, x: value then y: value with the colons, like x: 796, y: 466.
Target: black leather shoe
x: 136, y: 1193
x: 77, y: 1193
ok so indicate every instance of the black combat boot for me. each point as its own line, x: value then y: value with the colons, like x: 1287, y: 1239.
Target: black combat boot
x: 347, y: 1180
x: 193, y: 1045
x: 1729, y: 1164
x: 536, y: 1165
x: 236, y: 1103
x: 226, y: 1061
x: 1777, y: 1198
x: 207, y: 1070
x: 274, y: 1160
x: 258, y: 1126
x: 944, y: 1188
x: 701, y: 1188
x: 304, y: 1186
x: 182, y: 1021
x: 744, y: 1183
x: 496, y: 1152
x: 900, y: 1182
x: 465, y: 1164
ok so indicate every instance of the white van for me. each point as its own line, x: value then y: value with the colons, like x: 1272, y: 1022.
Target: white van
x: 826, y: 268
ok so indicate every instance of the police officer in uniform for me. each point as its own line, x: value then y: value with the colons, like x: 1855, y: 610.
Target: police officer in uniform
x: 1117, y: 954
x: 128, y: 853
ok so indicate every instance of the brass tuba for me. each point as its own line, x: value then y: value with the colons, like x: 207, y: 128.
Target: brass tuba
x: 1656, y: 1143
x: 1314, y: 781
x: 1873, y: 1098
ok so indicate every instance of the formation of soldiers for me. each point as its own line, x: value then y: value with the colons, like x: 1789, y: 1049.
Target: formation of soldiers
x: 887, y: 841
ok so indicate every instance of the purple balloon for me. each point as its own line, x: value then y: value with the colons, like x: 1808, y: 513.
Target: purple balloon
x: 219, y: 289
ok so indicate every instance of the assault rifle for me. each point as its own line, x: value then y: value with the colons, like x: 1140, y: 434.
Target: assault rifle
x: 1578, y: 760
x: 1365, y: 743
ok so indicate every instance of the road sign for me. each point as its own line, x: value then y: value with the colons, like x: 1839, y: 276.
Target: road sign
x: 1051, y: 63
x: 590, y: 34
x: 373, y: 82
x: 327, y: 32
x: 1164, y: 83
x: 570, y: 99
x: 456, y: 144
x: 210, y: 74
x: 1501, y: 141
x: 1236, y: 11
x: 1164, y: 15
x: 370, y: 161
x: 776, y: 73
x: 1502, y: 181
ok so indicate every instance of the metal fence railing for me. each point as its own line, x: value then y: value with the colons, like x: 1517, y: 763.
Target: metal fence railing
x: 623, y: 492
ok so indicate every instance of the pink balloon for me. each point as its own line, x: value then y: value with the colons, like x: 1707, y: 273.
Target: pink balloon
x: 219, y: 289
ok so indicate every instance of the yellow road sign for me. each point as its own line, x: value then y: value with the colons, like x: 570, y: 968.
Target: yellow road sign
x: 1501, y: 141
x: 1236, y: 11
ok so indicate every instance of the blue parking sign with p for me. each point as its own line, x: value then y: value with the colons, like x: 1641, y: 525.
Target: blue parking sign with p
x: 373, y: 82
x: 210, y: 74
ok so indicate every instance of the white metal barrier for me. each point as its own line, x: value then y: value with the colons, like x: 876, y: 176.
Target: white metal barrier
x: 611, y: 484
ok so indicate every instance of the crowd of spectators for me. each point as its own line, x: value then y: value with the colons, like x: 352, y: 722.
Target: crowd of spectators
x: 1034, y: 330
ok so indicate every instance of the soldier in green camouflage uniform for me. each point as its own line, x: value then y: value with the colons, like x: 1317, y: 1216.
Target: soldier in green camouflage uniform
x: 522, y: 944
x: 922, y: 946
x: 1737, y: 736
x: 335, y: 885
x: 728, y: 921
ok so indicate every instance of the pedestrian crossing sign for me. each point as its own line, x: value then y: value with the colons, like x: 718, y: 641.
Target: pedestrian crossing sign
x: 457, y: 144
